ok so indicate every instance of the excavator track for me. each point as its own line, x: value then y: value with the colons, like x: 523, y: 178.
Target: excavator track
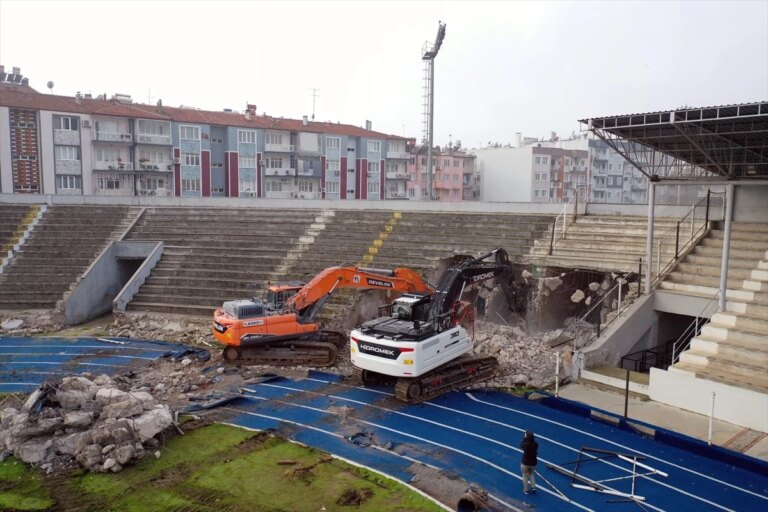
x: 319, y: 351
x: 460, y: 373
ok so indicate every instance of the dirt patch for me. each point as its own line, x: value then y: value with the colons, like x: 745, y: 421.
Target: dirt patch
x: 354, y: 497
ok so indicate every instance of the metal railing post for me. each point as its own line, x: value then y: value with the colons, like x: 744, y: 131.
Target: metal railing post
x: 706, y: 216
x: 619, y: 310
x: 640, y: 277
x: 677, y: 240
x: 693, y: 220
x: 552, y: 239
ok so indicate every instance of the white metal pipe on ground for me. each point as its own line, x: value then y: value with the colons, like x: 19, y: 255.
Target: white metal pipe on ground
x: 726, y: 244
x: 649, y: 239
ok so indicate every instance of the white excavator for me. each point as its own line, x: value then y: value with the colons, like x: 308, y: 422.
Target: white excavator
x: 424, y: 340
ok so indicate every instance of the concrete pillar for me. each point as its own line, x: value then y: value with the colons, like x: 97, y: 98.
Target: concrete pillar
x: 726, y: 244
x: 649, y: 239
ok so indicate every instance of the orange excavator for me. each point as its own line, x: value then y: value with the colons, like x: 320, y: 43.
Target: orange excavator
x: 282, y: 329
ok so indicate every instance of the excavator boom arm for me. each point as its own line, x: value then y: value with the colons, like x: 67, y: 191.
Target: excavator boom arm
x: 326, y: 282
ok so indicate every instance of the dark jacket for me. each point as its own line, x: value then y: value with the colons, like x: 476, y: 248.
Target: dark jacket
x: 530, y: 448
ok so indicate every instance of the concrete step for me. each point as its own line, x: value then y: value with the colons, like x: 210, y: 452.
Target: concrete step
x: 178, y: 309
x: 736, y: 234
x: 758, y: 325
x: 736, y: 243
x: 198, y: 293
x: 740, y: 273
x: 715, y: 261
x: 714, y: 281
x: 701, y: 347
x: 714, y: 333
x: 732, y: 294
x: 716, y: 252
x: 723, y: 374
x: 19, y: 303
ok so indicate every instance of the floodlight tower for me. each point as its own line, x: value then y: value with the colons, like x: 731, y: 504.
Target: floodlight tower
x: 428, y: 55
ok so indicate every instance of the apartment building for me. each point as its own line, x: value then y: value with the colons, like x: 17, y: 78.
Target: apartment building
x: 83, y: 145
x: 453, y: 174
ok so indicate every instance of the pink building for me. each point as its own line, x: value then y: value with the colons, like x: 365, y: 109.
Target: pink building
x: 451, y: 169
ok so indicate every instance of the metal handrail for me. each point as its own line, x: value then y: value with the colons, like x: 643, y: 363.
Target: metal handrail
x: 564, y: 224
x: 684, y: 340
x: 683, y: 244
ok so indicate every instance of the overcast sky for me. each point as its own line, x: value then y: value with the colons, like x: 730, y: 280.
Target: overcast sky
x: 504, y: 67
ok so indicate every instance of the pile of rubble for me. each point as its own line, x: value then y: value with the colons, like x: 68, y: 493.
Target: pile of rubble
x: 523, y: 360
x: 92, y: 422
x: 29, y: 323
x: 166, y: 327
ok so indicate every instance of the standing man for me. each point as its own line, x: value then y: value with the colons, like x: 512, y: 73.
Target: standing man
x: 528, y: 464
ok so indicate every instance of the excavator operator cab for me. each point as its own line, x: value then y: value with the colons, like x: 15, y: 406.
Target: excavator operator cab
x: 279, y: 293
x: 408, y: 306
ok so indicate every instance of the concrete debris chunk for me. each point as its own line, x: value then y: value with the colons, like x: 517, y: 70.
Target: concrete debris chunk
x: 109, y: 395
x: 123, y: 409
x: 78, y: 419
x: 577, y: 296
x: 34, y: 451
x: 11, y: 324
x: 151, y: 423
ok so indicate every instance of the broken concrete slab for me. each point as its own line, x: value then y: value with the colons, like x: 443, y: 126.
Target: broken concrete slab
x: 11, y: 324
x: 33, y: 451
x: 123, y: 409
x: 151, y: 423
x: 109, y: 395
x: 78, y: 419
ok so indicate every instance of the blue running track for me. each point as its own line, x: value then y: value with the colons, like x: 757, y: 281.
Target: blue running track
x: 27, y: 362
x: 476, y: 435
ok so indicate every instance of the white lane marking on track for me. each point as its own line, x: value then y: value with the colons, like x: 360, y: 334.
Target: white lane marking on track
x: 659, y: 482
x: 405, y: 434
x: 330, y: 433
x: 348, y: 461
x: 106, y: 347
x: 19, y: 384
x: 69, y: 363
x: 614, y: 443
x: 77, y: 355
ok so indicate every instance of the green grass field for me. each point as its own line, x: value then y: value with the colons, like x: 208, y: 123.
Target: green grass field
x: 214, y: 468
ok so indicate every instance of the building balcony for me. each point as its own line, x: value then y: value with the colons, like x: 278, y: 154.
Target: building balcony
x: 399, y: 176
x: 396, y: 195
x: 154, y: 166
x: 307, y: 151
x: 112, y: 165
x: 102, y: 136
x: 159, y: 192
x: 280, y: 148
x: 157, y: 140
x: 279, y: 172
x: 398, y: 155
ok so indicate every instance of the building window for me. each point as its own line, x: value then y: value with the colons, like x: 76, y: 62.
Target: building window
x: 190, y: 185
x: 217, y: 165
x: 332, y: 187
x: 115, y: 182
x: 189, y: 132
x: 190, y: 159
x: 446, y: 163
x: 106, y: 155
x: 275, y: 139
x: 374, y: 146
x: 537, y: 160
x: 274, y: 163
x: 274, y: 186
x: 332, y: 165
x: 65, y: 123
x: 411, y: 192
x: 332, y: 142
x: 66, y: 153
x: 423, y: 161
x: 373, y: 168
x: 306, y: 186
x: 151, y: 127
x: 216, y: 141
x: 455, y: 194
x: 247, y: 162
x: 68, y: 182
x: 455, y: 178
x: 246, y: 136
x: 373, y: 188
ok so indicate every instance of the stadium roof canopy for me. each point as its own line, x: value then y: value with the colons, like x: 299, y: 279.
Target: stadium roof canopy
x: 729, y: 141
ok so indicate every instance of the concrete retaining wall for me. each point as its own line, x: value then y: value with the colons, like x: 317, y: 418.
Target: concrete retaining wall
x: 620, y: 337
x: 131, y: 288
x: 102, y: 281
x: 735, y: 405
